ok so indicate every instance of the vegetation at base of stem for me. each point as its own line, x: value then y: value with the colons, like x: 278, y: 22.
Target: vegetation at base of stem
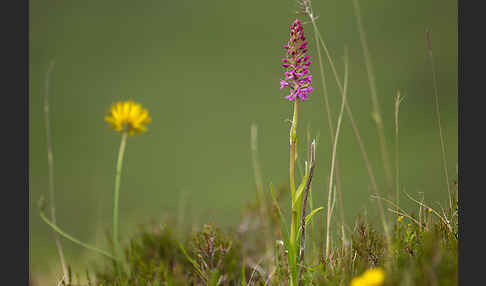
x: 421, y: 254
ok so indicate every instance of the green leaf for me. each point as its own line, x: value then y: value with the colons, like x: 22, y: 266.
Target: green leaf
x: 281, y: 220
x: 309, y: 216
x: 71, y: 238
x: 300, y: 189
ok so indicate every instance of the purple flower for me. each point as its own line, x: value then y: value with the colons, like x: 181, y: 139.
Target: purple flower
x: 283, y: 84
x: 297, y: 75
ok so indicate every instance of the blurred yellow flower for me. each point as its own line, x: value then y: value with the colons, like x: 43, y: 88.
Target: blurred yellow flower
x: 400, y: 219
x: 128, y: 116
x: 358, y: 281
x: 374, y: 276
x: 371, y: 277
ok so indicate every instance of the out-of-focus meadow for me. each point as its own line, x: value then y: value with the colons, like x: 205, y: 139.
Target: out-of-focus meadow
x: 206, y: 70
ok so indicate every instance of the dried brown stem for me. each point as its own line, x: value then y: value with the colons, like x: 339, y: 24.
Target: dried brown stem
x: 50, y: 163
x: 304, y: 205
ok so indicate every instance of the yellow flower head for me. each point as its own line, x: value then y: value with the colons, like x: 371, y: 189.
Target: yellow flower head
x: 374, y: 276
x: 128, y: 116
x: 400, y: 219
x: 371, y: 277
x: 358, y: 281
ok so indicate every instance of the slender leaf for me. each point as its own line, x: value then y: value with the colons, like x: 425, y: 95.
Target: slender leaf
x: 300, y: 189
x: 281, y: 219
x: 312, y: 213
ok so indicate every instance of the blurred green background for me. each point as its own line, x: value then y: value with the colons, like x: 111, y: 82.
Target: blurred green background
x: 206, y: 70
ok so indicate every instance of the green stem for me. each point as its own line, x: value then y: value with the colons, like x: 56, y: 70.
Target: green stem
x: 294, y: 215
x: 119, y: 164
x: 293, y: 142
x: 67, y: 236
